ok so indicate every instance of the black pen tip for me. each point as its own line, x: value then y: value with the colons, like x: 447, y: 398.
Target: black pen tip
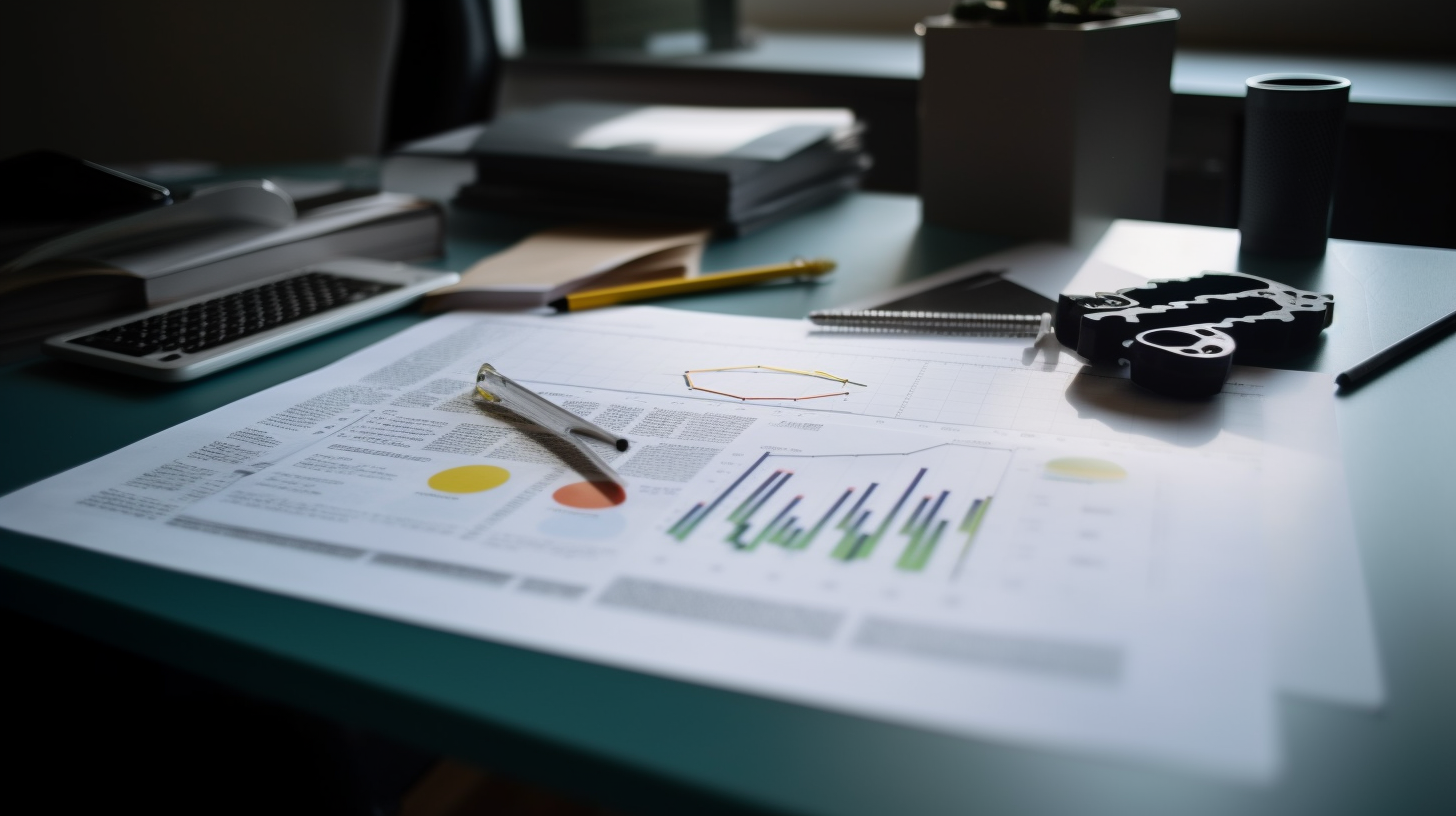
x: 560, y: 305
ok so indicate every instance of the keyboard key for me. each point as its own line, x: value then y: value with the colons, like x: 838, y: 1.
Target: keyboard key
x: 233, y: 317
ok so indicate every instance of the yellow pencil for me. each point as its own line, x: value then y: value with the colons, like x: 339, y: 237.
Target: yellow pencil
x: 593, y: 298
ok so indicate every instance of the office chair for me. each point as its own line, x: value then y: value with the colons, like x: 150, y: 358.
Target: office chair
x: 446, y: 68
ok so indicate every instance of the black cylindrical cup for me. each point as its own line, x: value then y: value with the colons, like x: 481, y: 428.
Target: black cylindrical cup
x: 1292, y: 125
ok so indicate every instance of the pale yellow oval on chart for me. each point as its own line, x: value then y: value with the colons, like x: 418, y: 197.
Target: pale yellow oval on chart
x: 1085, y: 469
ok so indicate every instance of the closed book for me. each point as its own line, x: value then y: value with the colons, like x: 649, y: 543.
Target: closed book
x: 555, y: 262
x: 717, y: 165
x: 628, y: 209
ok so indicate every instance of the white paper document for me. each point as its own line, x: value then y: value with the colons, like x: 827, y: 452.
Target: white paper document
x: 1324, y: 641
x: 973, y: 540
x: 669, y: 130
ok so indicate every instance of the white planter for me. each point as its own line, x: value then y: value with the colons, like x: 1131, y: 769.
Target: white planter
x: 1046, y: 131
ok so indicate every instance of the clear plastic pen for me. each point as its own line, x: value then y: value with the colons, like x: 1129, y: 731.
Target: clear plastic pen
x: 497, y: 389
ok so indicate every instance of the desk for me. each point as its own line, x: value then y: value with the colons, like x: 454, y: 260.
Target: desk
x: 649, y: 745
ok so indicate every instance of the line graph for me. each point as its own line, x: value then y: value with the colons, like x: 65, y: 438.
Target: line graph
x: 797, y: 372
x: 961, y: 384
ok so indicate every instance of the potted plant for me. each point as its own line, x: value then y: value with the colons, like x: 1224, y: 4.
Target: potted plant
x: 1044, y: 119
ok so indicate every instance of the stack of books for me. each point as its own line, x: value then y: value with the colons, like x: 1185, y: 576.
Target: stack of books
x: 730, y: 169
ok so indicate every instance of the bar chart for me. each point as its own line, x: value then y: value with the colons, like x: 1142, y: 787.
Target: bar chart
x: 903, y: 510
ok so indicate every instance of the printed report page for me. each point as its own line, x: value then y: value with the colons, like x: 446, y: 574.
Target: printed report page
x: 842, y: 526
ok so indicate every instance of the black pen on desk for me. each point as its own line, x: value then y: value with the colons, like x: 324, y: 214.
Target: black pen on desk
x: 1388, y: 358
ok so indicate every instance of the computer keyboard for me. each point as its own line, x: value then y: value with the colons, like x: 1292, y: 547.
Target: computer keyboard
x: 192, y: 338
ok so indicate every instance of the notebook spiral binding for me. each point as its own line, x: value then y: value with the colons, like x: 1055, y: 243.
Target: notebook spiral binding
x: 964, y: 323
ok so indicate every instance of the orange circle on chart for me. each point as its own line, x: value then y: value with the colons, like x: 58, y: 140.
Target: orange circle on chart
x: 590, y: 495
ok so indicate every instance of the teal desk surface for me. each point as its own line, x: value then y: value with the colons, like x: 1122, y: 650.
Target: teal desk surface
x: 649, y: 745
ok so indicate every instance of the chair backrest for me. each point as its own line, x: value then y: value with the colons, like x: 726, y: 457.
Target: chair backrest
x: 446, y: 71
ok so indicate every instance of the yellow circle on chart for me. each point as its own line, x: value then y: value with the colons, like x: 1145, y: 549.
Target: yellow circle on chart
x: 469, y: 479
x: 1092, y: 470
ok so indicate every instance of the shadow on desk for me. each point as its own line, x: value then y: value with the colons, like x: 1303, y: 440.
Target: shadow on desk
x: 93, y: 729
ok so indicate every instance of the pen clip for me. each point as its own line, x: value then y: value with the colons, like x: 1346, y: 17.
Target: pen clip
x: 497, y: 389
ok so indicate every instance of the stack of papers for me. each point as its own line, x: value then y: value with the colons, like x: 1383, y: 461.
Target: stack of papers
x: 733, y: 169
x: 971, y: 541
